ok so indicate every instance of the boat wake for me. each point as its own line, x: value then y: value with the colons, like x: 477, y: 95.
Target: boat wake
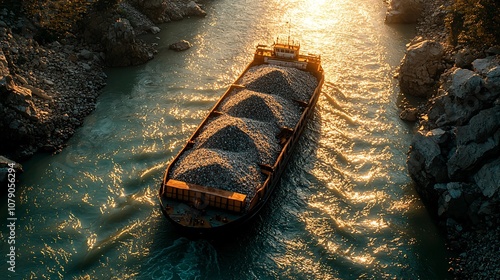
x: 184, y: 259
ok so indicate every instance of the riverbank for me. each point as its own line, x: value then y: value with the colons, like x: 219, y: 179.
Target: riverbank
x: 47, y: 88
x: 453, y: 157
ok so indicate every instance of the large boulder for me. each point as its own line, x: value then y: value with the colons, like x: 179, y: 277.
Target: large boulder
x: 421, y: 68
x: 193, y: 9
x: 463, y: 94
x: 488, y: 179
x: 464, y: 83
x: 459, y: 98
x: 153, y: 9
x: 489, y: 68
x: 426, y: 160
x: 122, y: 47
x: 181, y: 45
x: 403, y: 11
x: 475, y: 142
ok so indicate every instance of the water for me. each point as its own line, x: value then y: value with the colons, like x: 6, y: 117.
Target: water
x: 345, y: 208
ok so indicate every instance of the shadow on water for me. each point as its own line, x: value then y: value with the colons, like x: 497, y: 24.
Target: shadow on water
x: 246, y: 251
x: 293, y: 238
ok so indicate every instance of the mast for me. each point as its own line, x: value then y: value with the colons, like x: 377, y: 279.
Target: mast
x: 288, y: 42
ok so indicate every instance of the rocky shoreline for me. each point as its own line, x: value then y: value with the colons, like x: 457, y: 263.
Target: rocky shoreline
x: 48, y: 88
x: 454, y: 155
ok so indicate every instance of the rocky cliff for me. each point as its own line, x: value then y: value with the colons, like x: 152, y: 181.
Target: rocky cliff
x: 45, y: 92
x: 47, y: 88
x: 454, y: 155
x: 403, y: 11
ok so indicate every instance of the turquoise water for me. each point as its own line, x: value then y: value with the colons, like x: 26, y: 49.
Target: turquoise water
x: 345, y: 208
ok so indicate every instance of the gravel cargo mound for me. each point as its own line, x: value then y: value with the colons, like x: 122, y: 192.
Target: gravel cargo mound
x: 262, y: 107
x: 219, y: 169
x: 229, y: 148
x: 290, y: 83
x: 254, y: 138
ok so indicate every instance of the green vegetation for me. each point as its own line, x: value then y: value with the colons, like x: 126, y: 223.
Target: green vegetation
x: 474, y: 22
x: 57, y: 17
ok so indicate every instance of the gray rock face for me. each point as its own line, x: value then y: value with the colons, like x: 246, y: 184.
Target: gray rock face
x: 122, y: 48
x: 466, y: 157
x: 420, y: 68
x: 403, y: 11
x: 426, y: 163
x: 488, y: 179
x: 193, y: 9
x: 465, y: 83
x: 160, y: 11
x: 455, y: 160
x: 462, y: 95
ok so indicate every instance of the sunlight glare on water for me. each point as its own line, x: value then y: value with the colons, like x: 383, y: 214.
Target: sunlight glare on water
x: 345, y: 208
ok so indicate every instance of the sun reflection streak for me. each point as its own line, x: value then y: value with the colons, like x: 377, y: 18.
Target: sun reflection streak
x: 375, y: 224
x: 91, y: 240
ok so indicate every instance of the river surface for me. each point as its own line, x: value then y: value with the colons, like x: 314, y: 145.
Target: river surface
x: 345, y: 207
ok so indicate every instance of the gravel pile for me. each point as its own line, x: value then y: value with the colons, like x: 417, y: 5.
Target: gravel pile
x: 262, y: 107
x: 227, y: 152
x: 287, y: 82
x: 254, y: 138
x: 219, y: 169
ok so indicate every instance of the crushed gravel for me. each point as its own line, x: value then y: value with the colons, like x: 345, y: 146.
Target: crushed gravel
x: 229, y: 148
x: 219, y: 169
x: 290, y: 83
x: 262, y: 107
x: 254, y: 138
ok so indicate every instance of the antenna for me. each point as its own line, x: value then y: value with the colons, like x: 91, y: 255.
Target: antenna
x: 288, y: 22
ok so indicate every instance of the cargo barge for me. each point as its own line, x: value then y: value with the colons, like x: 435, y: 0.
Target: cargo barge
x: 229, y: 167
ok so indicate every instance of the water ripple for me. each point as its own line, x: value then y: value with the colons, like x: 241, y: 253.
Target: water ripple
x: 345, y: 207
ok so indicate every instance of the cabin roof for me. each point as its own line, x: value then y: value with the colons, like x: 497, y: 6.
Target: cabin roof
x: 287, y: 46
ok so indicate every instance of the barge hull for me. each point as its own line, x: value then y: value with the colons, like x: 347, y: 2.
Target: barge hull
x: 179, y: 201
